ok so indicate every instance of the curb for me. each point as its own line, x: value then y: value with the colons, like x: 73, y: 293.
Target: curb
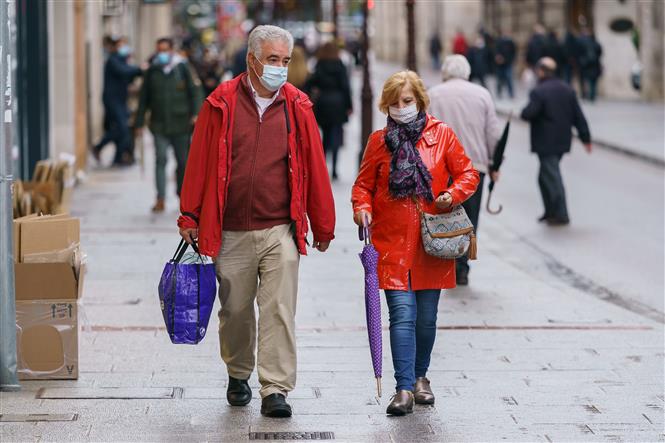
x: 646, y: 158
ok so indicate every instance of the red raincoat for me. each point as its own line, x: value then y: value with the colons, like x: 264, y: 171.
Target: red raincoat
x: 396, y: 223
x: 204, y: 190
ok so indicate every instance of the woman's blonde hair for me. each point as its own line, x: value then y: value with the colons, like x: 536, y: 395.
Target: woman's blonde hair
x: 392, y: 89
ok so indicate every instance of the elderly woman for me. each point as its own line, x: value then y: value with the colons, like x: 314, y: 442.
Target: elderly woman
x: 415, y: 158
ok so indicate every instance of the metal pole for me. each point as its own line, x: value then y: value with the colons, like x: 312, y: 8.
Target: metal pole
x: 366, y: 94
x: 8, y: 377
x: 411, y: 36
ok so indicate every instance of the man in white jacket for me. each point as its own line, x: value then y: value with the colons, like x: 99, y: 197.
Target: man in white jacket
x: 469, y: 110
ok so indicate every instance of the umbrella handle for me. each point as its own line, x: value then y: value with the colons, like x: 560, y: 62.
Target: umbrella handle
x: 366, y: 233
x: 493, y: 212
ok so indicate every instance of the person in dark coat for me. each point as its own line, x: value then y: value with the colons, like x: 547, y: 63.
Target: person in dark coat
x: 435, y: 51
x: 553, y: 109
x: 504, y: 57
x: 589, y: 61
x: 571, y: 54
x: 331, y: 93
x: 118, y: 75
x: 535, y: 48
x: 172, y: 95
x: 554, y: 50
x: 479, y: 57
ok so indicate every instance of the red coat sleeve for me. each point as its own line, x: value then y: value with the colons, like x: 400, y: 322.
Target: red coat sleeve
x: 191, y: 194
x: 464, y: 175
x: 320, y: 201
x: 364, y: 188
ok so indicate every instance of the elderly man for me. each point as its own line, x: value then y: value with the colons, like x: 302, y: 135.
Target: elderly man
x: 255, y: 173
x: 553, y: 110
x: 469, y: 110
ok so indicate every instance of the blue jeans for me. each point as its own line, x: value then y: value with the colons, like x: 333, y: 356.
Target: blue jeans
x: 412, y: 333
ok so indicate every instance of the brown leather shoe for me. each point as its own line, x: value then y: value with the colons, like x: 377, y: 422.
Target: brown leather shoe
x: 423, y: 394
x: 159, y: 206
x: 401, y: 403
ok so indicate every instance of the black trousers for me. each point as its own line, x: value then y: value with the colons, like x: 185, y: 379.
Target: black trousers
x: 472, y: 207
x: 333, y: 138
x: 551, y: 187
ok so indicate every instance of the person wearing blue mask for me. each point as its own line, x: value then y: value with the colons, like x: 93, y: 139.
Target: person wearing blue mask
x: 171, y: 93
x: 118, y: 75
x: 256, y: 178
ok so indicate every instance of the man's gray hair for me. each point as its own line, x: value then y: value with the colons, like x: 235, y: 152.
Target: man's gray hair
x: 456, y: 66
x: 264, y: 33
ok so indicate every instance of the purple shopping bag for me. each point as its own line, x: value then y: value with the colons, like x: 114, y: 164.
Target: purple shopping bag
x: 187, y: 293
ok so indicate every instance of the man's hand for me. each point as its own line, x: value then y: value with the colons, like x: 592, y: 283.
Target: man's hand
x: 444, y: 200
x: 361, y: 217
x: 588, y: 147
x: 189, y: 234
x: 322, y: 246
x: 494, y: 176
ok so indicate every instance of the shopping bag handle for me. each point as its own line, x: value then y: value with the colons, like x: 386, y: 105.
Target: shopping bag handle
x: 182, y: 248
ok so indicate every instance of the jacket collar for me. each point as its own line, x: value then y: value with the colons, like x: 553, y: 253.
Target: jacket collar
x: 432, y: 131
x: 227, y: 91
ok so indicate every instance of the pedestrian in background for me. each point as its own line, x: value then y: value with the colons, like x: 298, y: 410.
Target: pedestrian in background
x: 256, y: 173
x: 553, y: 110
x: 469, y: 110
x: 415, y: 158
x: 298, y: 71
x: 331, y: 93
x: 555, y: 50
x: 504, y: 57
x: 460, y: 45
x: 591, y: 69
x: 571, y: 54
x: 172, y: 95
x: 536, y: 46
x: 479, y: 57
x: 435, y: 51
x: 118, y: 75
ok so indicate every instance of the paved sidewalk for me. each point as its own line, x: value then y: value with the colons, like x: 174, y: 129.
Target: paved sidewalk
x: 631, y: 127
x: 523, y: 354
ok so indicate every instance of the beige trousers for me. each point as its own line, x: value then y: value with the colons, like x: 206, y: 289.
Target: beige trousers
x: 263, y: 266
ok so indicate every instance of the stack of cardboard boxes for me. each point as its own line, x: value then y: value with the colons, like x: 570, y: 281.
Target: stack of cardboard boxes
x: 48, y: 270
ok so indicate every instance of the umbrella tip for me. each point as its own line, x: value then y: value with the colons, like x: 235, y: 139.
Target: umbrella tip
x: 378, y: 385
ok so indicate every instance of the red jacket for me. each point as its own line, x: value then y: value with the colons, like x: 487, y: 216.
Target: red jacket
x: 205, y: 188
x: 396, y: 222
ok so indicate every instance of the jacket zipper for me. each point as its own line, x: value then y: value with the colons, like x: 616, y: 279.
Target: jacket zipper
x: 301, y: 170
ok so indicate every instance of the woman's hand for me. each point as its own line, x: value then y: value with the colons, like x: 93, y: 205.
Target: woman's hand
x: 362, y: 217
x: 444, y: 201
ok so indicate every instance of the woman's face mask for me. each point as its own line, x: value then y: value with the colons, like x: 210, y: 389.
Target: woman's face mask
x: 404, y: 115
x: 274, y: 77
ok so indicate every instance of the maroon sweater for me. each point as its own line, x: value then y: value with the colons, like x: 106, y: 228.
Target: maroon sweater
x: 259, y: 196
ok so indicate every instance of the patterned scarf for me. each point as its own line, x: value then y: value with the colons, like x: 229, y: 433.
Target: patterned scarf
x: 408, y: 174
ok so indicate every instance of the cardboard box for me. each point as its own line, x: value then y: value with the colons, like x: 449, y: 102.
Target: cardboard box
x: 47, y: 281
x: 47, y: 339
x: 17, y: 234
x: 45, y: 234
